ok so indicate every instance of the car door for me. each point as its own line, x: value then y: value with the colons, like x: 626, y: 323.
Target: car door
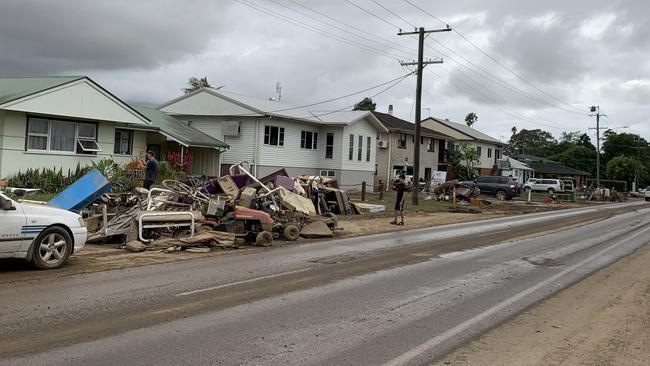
x: 11, y: 226
x: 486, y: 185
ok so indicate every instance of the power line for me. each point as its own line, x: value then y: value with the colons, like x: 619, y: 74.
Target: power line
x: 333, y: 25
x: 397, y: 79
x: 395, y: 14
x: 494, y: 59
x: 496, y: 103
x: 372, y: 96
x: 374, y: 15
x: 354, y: 27
x: 318, y: 30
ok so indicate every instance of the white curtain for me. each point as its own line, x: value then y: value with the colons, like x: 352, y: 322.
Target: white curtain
x: 62, y: 136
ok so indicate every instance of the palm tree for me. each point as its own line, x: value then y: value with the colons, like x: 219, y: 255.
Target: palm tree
x: 471, y: 119
x: 196, y: 84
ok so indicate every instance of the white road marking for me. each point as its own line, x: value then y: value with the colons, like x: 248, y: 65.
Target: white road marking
x: 437, y: 340
x: 241, y: 282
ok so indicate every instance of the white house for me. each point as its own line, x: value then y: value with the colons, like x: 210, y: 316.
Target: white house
x: 60, y: 122
x: 488, y: 148
x: 510, y: 167
x: 272, y: 135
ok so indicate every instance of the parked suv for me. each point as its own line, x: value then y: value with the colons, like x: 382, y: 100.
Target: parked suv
x: 503, y: 188
x: 44, y: 235
x: 544, y: 185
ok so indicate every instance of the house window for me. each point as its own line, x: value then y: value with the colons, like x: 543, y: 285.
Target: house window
x: 478, y: 151
x: 431, y: 145
x: 368, y: 142
x: 401, y: 140
x: 309, y: 140
x: 329, y: 146
x: 61, y: 136
x: 328, y: 173
x: 123, y: 142
x: 351, y: 150
x: 273, y: 135
x: 489, y: 153
x: 360, y: 150
x: 497, y: 153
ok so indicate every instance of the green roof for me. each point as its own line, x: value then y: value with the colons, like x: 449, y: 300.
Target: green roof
x: 16, y: 88
x: 177, y: 130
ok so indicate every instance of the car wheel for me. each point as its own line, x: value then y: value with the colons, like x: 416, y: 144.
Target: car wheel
x: 551, y: 191
x: 291, y: 233
x: 52, y: 248
x: 501, y: 195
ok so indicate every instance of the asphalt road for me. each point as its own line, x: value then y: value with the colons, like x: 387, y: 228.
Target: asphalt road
x: 393, y: 299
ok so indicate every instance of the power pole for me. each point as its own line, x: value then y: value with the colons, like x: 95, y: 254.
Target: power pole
x: 596, y: 109
x: 418, y: 100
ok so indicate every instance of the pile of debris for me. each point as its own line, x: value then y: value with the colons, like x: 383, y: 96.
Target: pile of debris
x: 223, y: 212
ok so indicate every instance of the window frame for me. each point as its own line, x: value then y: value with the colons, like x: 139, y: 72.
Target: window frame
x: 351, y: 148
x: 431, y: 147
x: 368, y: 147
x: 329, y: 147
x: 268, y: 134
x: 489, y: 152
x: 131, y: 134
x: 401, y: 140
x: 78, y: 148
x: 313, y: 136
x: 479, y: 151
x: 360, y: 149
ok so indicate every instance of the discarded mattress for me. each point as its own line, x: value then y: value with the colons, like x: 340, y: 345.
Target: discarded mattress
x: 83, y: 192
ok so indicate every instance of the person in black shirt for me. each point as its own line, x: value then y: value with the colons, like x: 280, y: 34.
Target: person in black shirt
x: 151, y: 170
x: 401, y: 189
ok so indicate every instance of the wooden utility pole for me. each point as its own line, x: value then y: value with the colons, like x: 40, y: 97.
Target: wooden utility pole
x: 418, y: 101
x: 596, y: 109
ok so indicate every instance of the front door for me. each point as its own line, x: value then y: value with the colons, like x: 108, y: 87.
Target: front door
x: 11, y: 227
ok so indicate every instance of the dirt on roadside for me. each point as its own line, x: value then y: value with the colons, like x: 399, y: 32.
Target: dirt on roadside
x: 103, y: 257
x: 602, y: 320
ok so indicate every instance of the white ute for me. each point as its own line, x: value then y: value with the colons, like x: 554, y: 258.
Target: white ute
x: 45, y: 236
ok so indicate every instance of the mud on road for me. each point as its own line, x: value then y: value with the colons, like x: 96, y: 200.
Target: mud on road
x: 601, y: 320
x: 103, y: 257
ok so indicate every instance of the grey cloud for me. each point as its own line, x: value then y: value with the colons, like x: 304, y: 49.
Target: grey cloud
x: 44, y: 37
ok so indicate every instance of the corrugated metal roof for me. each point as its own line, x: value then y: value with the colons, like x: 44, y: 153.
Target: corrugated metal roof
x: 393, y: 123
x: 176, y: 129
x: 16, y: 88
x: 466, y: 130
x: 266, y: 107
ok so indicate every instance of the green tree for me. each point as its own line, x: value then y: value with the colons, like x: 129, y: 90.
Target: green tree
x: 625, y: 144
x: 577, y: 157
x: 534, y: 142
x: 624, y: 168
x: 465, y: 161
x: 470, y: 119
x: 195, y: 84
x: 365, y: 105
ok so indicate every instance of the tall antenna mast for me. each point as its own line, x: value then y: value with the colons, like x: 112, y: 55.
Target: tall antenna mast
x: 278, y: 90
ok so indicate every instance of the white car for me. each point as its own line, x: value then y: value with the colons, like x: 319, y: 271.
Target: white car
x: 45, y: 236
x: 544, y: 185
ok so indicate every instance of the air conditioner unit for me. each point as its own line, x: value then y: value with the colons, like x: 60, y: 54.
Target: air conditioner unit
x: 231, y: 128
x: 382, y: 144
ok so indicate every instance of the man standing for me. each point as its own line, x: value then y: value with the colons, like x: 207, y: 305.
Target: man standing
x: 400, y: 188
x: 151, y: 170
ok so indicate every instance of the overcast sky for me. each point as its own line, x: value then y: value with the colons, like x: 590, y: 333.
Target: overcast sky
x: 555, y: 58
